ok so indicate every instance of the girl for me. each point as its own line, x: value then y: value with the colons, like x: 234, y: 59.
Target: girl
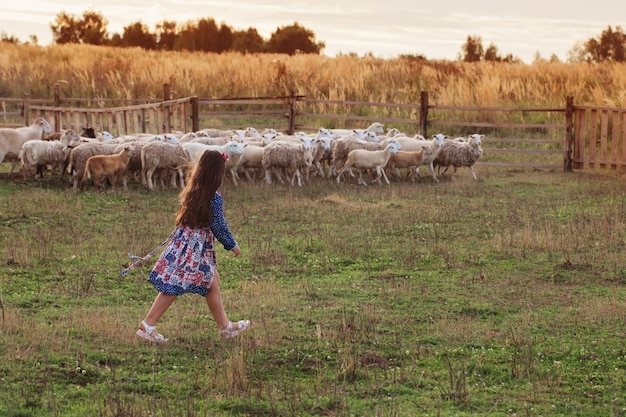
x: 188, y: 264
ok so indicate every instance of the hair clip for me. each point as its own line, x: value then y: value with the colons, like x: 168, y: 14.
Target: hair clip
x: 225, y: 156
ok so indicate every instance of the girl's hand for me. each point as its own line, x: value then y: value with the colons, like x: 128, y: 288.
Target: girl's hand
x: 236, y: 251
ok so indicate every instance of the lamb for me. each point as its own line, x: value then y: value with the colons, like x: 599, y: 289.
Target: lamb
x: 133, y: 167
x: 287, y: 155
x: 366, y: 159
x: 11, y: 140
x: 411, y: 160
x: 376, y: 127
x: 460, y: 153
x: 81, y: 153
x: 157, y: 154
x: 40, y: 153
x: 417, y: 143
x: 110, y: 166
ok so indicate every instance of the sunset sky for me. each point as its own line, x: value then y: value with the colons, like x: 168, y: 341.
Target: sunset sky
x: 384, y: 28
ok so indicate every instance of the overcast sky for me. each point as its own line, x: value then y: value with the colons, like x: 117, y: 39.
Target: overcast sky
x: 385, y: 28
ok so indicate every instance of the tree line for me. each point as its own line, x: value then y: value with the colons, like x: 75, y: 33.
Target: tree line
x: 609, y: 46
x: 205, y: 35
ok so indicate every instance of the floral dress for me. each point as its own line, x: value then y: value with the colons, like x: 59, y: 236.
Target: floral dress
x: 188, y: 262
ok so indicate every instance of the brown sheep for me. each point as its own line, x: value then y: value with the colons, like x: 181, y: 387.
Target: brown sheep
x: 110, y: 166
x: 411, y: 160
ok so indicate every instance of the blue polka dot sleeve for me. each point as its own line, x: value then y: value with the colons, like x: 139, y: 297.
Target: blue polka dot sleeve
x: 219, y: 227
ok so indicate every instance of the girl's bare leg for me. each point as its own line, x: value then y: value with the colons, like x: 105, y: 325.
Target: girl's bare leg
x: 160, y: 305
x: 214, y: 301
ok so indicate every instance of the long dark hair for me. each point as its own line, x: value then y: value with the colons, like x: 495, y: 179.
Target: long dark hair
x: 202, y: 184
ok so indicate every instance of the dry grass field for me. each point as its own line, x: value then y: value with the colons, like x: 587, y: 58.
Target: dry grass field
x: 103, y: 72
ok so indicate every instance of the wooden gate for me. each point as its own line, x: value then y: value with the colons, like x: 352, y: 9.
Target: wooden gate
x: 599, y: 137
x: 161, y: 117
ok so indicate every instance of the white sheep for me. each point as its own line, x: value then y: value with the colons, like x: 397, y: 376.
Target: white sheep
x: 39, y: 153
x: 251, y: 159
x: 188, y: 137
x: 342, y: 146
x: 157, y: 154
x: 196, y: 149
x: 394, y: 131
x: 106, y: 166
x: 460, y: 153
x: 264, y: 139
x: 322, y: 146
x: 322, y: 142
x: 104, y: 136
x: 376, y: 127
x: 284, y: 155
x: 367, y: 159
x: 216, y: 133
x: 237, y: 136
x: 165, y: 137
x: 12, y: 139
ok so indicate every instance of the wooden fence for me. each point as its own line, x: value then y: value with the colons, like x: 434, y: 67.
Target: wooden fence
x: 162, y: 117
x: 568, y: 137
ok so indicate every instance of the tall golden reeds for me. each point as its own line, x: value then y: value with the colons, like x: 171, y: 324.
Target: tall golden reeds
x: 98, y: 72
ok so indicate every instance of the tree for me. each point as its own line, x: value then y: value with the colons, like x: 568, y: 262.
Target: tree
x: 609, y: 46
x: 491, y: 54
x: 578, y: 53
x: 166, y: 33
x: 65, y: 29
x: 91, y: 29
x: 294, y: 39
x: 248, y: 41
x: 224, y: 38
x: 9, y: 39
x: 473, y: 49
x: 138, y: 34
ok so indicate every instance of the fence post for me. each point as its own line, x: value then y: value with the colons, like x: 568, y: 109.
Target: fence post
x: 569, y: 133
x: 57, y: 104
x: 424, y: 114
x: 291, y: 114
x: 167, y: 116
x: 195, y: 112
x: 26, y: 109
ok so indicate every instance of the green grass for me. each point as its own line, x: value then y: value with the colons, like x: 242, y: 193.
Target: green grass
x: 504, y: 296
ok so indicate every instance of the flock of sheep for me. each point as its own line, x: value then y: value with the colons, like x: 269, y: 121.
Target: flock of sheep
x: 153, y: 160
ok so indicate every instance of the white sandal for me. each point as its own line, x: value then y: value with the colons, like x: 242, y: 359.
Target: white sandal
x: 229, y: 332
x: 150, y: 333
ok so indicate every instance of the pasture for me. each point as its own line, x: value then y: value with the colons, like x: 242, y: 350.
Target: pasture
x: 502, y: 296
